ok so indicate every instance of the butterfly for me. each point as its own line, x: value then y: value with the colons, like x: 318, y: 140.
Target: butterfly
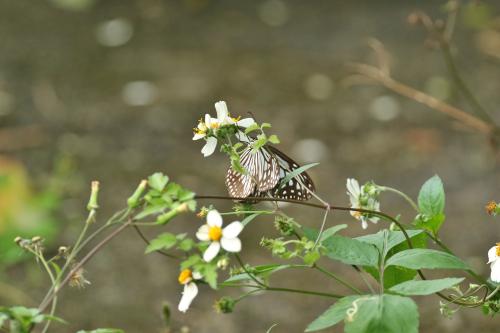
x: 265, y: 168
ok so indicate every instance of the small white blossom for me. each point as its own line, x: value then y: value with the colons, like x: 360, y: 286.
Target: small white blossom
x: 187, y: 278
x: 207, y: 128
x: 226, y: 238
x: 494, y: 261
x: 363, y: 197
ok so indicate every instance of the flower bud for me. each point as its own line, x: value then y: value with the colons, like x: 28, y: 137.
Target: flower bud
x: 134, y: 199
x: 225, y: 305
x: 92, y: 205
x: 166, y: 217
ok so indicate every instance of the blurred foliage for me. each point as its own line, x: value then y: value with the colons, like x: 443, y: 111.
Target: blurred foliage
x: 23, y: 211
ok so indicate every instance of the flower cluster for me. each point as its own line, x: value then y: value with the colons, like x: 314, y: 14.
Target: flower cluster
x: 210, y: 128
x: 218, y: 238
x: 363, y: 197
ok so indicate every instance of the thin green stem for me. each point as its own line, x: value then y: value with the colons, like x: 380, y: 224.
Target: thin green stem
x: 493, y: 293
x: 298, y: 202
x: 254, y: 279
x: 403, y: 195
x: 305, y: 292
x: 82, y: 262
x: 338, y: 279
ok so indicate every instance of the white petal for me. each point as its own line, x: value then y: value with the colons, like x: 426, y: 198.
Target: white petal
x: 232, y: 230
x: 188, y: 295
x: 202, y: 233
x: 495, y: 271
x: 214, y: 219
x: 209, y: 147
x: 211, y: 252
x: 242, y: 137
x: 246, y: 122
x: 208, y: 120
x: 231, y: 244
x: 197, y: 275
x: 364, y: 224
x: 222, y: 112
x: 198, y: 136
x: 492, y: 254
x: 353, y: 187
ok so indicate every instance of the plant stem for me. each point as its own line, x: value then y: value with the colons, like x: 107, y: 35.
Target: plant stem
x: 254, y: 279
x: 82, y: 262
x: 403, y: 195
x: 305, y: 292
x: 338, y: 279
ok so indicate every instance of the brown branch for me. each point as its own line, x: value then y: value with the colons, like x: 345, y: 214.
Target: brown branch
x: 465, y: 118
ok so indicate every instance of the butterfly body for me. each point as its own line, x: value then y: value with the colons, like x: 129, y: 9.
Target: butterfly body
x: 265, y: 168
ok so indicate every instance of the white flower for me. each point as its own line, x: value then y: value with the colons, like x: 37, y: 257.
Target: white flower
x: 362, y: 197
x: 208, y: 127
x: 187, y: 278
x: 494, y: 260
x: 226, y: 238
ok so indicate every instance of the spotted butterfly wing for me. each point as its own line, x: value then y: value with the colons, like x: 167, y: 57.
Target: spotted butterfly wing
x: 299, y: 187
x: 266, y: 167
x: 262, y: 174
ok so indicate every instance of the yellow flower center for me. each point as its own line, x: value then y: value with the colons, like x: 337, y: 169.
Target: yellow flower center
x: 215, y: 233
x: 215, y: 125
x: 186, y: 276
x: 199, y: 131
x: 498, y: 249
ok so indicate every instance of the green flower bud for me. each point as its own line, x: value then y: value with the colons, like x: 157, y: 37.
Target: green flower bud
x: 225, y: 305
x: 134, y: 199
x: 92, y: 205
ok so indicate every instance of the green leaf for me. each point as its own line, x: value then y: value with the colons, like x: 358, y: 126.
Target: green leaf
x: 151, y: 210
x: 311, y: 257
x: 191, y: 261
x: 274, y: 139
x: 351, y: 251
x: 249, y: 218
x: 424, y: 287
x: 209, y: 273
x: 186, y: 245
x: 383, y: 314
x: 259, y: 143
x: 431, y: 197
x: 396, y: 274
x: 158, y: 181
x: 296, y: 172
x: 432, y: 224
x: 394, y: 238
x: 261, y: 271
x: 426, y: 259
x: 312, y: 234
x: 335, y: 314
x: 163, y: 242
x: 252, y: 128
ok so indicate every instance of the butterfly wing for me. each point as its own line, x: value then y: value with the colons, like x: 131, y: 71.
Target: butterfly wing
x: 262, y: 173
x: 299, y: 187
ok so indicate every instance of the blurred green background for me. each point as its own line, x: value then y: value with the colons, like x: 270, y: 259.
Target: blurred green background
x: 110, y: 90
